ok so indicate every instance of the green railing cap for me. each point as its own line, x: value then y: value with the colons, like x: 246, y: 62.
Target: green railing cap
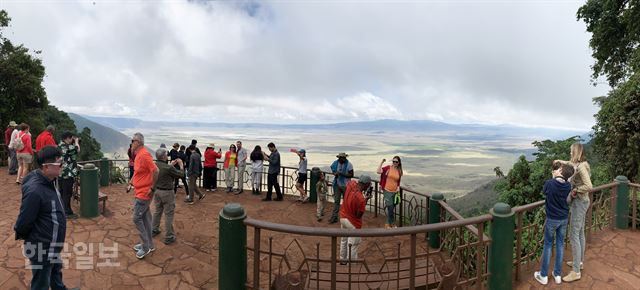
x: 89, y: 166
x: 622, y: 179
x: 501, y: 209
x: 437, y: 196
x: 233, y: 211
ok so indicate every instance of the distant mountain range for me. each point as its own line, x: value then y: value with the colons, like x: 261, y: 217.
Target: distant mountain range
x: 110, y: 139
x: 462, y: 131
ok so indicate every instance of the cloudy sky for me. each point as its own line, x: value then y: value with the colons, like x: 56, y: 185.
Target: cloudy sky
x: 496, y: 62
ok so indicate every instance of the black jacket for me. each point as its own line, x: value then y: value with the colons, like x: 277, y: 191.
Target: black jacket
x: 41, y: 218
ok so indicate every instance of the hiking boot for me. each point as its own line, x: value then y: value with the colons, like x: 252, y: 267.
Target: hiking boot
x: 542, y: 280
x: 155, y: 232
x: 570, y: 264
x: 168, y: 241
x: 573, y: 276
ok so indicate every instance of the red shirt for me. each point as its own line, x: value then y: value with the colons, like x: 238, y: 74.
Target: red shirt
x: 7, y: 135
x: 26, y: 140
x: 143, y: 170
x: 353, y: 206
x: 45, y: 139
x: 210, y: 158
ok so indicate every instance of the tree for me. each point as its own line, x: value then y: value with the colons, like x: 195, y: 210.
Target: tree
x: 89, y: 147
x: 523, y: 184
x: 615, y: 40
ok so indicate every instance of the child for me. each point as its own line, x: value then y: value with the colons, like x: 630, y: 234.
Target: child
x: 321, y: 191
x: 556, y: 191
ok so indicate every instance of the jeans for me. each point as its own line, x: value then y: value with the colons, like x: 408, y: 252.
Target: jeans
x: 241, y: 170
x: 165, y: 202
x: 47, y: 274
x: 142, y: 220
x: 66, y: 191
x: 576, y: 233
x: 389, y: 207
x: 256, y: 178
x: 272, y: 181
x: 13, y: 161
x: 346, y: 241
x: 557, y: 228
x: 338, y: 191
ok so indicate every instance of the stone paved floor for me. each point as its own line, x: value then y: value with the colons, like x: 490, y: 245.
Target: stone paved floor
x: 190, y: 263
x: 612, y: 262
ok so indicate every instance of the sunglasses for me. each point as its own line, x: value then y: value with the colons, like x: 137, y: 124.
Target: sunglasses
x: 396, y: 161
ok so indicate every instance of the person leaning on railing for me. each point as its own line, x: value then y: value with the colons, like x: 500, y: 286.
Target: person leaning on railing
x: 581, y: 182
x: 351, y: 214
x: 390, y: 177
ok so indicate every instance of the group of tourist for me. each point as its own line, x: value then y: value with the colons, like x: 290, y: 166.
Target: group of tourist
x: 567, y: 195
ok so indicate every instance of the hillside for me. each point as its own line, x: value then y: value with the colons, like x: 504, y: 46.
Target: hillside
x: 476, y: 202
x: 110, y: 139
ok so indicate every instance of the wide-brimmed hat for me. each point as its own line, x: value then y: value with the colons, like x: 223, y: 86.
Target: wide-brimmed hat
x: 13, y: 124
x: 176, y: 145
x: 212, y: 145
x: 342, y: 155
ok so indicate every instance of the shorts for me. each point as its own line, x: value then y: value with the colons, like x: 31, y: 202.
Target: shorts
x: 26, y: 158
x: 302, y: 178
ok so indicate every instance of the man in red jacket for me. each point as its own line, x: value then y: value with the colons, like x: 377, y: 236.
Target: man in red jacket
x: 351, y: 212
x: 46, y: 138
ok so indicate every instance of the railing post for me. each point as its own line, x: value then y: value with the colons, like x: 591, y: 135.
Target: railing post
x: 283, y: 180
x: 89, y: 191
x: 105, y: 172
x: 401, y: 204
x: 313, y: 181
x: 232, y: 253
x: 501, y: 251
x: 434, y: 218
x: 622, y: 203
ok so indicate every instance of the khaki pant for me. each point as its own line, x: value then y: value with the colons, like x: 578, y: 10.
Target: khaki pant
x: 230, y: 176
x: 345, y: 242
x: 193, y: 187
x: 165, y: 202
x: 241, y: 170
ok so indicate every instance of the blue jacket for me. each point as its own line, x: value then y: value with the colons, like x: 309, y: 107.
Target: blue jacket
x: 556, y: 193
x: 41, y: 219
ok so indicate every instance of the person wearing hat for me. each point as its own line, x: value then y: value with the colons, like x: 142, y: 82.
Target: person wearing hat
x: 9, y: 135
x: 210, y: 167
x: 355, y: 198
x: 343, y: 172
x: 302, y: 174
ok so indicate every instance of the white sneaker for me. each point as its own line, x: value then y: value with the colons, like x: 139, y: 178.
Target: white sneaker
x: 558, y: 279
x: 539, y: 278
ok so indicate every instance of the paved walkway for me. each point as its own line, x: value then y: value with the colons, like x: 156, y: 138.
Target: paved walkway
x: 190, y: 263
x: 612, y: 262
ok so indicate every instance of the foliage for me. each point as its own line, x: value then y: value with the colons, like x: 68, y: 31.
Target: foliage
x: 523, y: 184
x: 498, y: 171
x: 617, y: 129
x: 23, y: 98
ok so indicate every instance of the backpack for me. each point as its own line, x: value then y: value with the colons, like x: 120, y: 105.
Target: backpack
x: 18, y: 144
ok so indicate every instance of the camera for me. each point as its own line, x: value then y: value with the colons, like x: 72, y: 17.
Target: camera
x: 369, y: 192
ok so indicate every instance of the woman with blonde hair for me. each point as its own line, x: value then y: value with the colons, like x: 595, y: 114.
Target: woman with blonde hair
x: 579, y: 204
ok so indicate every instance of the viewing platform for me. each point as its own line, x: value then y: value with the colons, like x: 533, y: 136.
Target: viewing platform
x: 295, y: 247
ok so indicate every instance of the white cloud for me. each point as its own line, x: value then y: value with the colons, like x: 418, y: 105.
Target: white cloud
x: 518, y: 62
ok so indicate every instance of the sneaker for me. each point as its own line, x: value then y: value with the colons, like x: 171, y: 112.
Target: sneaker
x: 202, y: 196
x: 343, y: 262
x: 168, y: 241
x: 138, y: 247
x: 557, y: 279
x: 570, y: 264
x: 142, y: 253
x: 188, y: 199
x: 237, y: 192
x: 266, y: 199
x: 573, y: 276
x: 214, y: 189
x: 191, y: 202
x: 540, y: 279
x: 305, y: 199
x: 155, y: 233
